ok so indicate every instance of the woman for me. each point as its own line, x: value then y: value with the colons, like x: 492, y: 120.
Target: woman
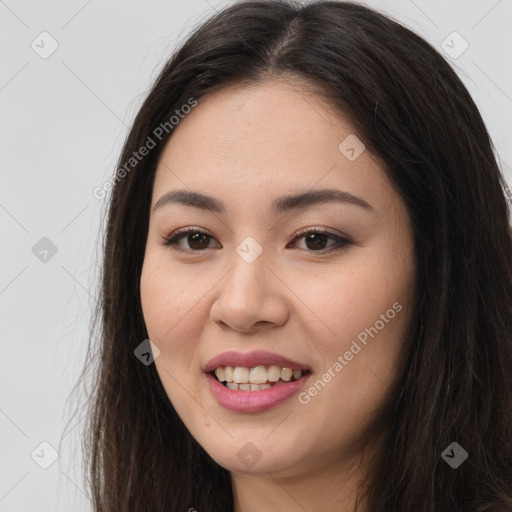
x: 309, y: 224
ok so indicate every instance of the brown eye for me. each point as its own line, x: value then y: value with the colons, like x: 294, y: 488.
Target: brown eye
x: 316, y: 240
x: 196, y: 240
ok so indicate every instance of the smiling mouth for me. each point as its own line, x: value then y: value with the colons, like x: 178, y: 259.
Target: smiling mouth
x: 258, y: 378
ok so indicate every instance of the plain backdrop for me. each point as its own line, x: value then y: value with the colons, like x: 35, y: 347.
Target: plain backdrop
x: 64, y: 117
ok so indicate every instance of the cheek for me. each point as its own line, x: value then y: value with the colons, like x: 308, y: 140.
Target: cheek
x: 171, y: 308
x: 168, y: 298
x: 364, y: 306
x: 352, y: 296
x: 361, y: 358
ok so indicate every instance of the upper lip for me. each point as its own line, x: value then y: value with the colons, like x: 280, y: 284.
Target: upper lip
x: 252, y: 359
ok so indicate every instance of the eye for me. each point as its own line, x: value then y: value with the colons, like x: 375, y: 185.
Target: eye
x: 315, y: 240
x: 198, y: 240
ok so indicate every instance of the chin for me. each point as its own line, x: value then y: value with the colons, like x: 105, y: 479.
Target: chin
x: 248, y: 455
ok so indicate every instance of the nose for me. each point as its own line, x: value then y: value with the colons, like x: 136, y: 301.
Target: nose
x: 250, y: 297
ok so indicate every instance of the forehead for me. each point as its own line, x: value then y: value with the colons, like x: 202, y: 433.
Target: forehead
x: 244, y: 140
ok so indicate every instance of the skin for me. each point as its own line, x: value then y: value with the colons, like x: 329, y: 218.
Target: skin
x: 245, y: 146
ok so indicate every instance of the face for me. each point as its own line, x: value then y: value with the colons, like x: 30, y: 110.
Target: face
x: 252, y: 279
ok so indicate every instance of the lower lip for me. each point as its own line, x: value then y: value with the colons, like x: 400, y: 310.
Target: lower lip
x: 254, y: 401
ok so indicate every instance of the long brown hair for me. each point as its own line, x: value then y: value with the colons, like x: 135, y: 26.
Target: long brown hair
x: 412, y: 111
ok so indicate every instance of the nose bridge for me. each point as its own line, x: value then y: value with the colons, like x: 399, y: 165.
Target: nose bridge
x: 248, y: 276
x: 247, y: 295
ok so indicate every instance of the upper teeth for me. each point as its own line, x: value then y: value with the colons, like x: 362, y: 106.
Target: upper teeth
x: 256, y: 375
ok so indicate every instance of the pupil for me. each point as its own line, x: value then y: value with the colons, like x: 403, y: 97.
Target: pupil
x: 196, y: 239
x: 312, y: 237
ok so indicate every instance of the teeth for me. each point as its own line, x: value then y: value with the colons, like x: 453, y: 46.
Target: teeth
x: 257, y: 387
x: 258, y: 375
x: 241, y: 375
x: 274, y: 373
x: 256, y: 378
x: 247, y: 387
x: 286, y: 374
x: 228, y: 373
x: 220, y: 374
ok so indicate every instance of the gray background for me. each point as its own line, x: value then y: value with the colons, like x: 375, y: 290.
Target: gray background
x: 64, y: 118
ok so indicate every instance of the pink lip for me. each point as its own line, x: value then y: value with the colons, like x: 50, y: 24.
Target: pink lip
x: 252, y: 359
x: 254, y: 401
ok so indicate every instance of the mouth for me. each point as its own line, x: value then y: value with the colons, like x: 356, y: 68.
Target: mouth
x: 257, y: 378
x: 253, y: 382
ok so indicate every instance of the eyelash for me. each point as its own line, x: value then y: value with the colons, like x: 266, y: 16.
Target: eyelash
x: 178, y: 234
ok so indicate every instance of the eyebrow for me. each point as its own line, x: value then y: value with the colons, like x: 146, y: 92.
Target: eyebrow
x: 280, y: 205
